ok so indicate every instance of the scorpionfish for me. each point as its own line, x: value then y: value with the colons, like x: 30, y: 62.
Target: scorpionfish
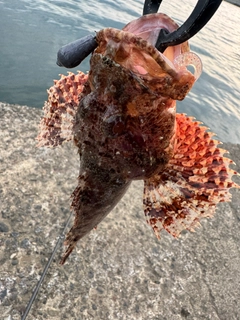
x: 122, y: 118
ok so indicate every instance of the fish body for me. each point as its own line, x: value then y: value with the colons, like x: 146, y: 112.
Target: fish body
x: 122, y: 118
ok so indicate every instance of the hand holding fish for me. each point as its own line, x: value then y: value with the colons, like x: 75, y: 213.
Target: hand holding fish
x: 122, y: 118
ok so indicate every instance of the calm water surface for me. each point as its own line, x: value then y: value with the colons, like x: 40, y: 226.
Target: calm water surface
x: 33, y: 31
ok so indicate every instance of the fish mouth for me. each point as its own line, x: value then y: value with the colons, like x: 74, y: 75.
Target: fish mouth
x: 148, y: 27
x: 134, y: 49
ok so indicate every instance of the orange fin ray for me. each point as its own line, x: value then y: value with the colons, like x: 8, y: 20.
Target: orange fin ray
x: 60, y: 110
x: 195, y: 180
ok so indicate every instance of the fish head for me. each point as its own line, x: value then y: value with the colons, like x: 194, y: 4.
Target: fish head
x: 133, y: 48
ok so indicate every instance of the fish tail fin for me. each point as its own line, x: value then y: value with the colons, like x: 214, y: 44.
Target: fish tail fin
x: 195, y: 180
x: 70, y: 241
x: 60, y: 110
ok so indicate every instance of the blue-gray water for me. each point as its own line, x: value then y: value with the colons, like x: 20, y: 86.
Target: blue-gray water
x: 33, y: 31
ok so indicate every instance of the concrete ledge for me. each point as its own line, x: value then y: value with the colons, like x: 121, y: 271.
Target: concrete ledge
x: 119, y: 271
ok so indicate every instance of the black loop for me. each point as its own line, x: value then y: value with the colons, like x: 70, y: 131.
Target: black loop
x: 151, y: 6
x: 202, y: 13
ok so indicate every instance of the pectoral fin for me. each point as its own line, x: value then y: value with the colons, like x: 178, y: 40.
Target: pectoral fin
x: 196, y: 179
x: 60, y: 110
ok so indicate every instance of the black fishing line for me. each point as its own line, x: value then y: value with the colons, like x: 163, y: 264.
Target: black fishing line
x: 35, y: 292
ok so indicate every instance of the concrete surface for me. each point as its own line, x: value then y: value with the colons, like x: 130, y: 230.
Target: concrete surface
x: 235, y: 2
x: 120, y: 270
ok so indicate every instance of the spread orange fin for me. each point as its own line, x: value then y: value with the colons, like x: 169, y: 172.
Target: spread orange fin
x: 196, y: 179
x: 60, y: 110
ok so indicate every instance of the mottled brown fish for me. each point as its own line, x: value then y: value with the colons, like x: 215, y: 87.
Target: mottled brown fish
x: 122, y: 117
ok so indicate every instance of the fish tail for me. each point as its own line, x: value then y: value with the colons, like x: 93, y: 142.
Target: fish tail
x: 70, y: 241
x: 94, y: 197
